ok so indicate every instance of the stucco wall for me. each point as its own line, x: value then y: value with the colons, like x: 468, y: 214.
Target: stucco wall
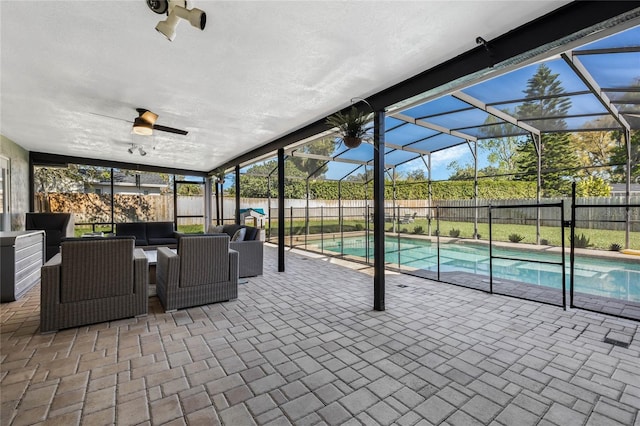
x: 19, y: 159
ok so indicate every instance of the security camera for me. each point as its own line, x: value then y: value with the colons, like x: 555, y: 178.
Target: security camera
x: 196, y: 18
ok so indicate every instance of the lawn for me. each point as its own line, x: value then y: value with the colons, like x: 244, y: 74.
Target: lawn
x: 596, y: 238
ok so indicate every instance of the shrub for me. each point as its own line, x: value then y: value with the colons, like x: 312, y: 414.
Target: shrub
x: 454, y: 233
x: 359, y: 227
x: 405, y: 230
x: 515, y: 238
x: 582, y: 242
x: 418, y: 230
x: 615, y: 247
x: 544, y: 242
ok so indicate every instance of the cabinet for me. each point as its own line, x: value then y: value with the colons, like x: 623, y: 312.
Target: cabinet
x: 22, y: 256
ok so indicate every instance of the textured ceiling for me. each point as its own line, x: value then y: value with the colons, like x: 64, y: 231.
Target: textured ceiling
x: 73, y: 72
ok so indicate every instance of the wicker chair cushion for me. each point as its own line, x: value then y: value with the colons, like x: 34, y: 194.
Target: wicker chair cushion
x: 251, y: 234
x: 137, y: 230
x: 96, y: 268
x: 204, y: 259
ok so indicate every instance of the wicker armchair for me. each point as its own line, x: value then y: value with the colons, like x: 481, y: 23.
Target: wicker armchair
x: 56, y: 226
x: 251, y: 257
x: 93, y: 280
x: 203, y: 271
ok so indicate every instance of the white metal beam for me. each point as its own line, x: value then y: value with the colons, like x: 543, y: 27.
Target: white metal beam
x: 577, y: 67
x: 495, y: 112
x: 437, y: 128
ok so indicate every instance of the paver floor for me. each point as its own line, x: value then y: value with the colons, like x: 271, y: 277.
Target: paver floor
x: 305, y: 347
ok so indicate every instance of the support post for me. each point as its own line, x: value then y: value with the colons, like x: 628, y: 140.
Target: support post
x: 217, y: 202
x: 222, y: 201
x: 378, y: 211
x: 238, y: 194
x: 208, y: 203
x: 537, y: 141
x: 269, y: 205
x: 281, y: 210
x: 306, y: 214
x: 475, y: 190
x: 627, y: 199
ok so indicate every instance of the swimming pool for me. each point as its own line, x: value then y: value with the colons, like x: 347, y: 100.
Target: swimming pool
x: 595, y: 276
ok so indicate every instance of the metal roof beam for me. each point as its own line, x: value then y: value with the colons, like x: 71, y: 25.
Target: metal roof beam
x: 405, y: 148
x: 432, y: 126
x: 495, y: 112
x: 337, y: 159
x: 628, y: 49
x: 591, y: 83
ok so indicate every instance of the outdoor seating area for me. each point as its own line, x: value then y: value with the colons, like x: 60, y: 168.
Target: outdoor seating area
x: 440, y: 354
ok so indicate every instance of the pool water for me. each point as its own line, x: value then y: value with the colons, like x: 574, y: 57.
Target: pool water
x: 595, y: 276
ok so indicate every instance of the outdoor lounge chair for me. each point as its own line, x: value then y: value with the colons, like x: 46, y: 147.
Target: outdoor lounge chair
x: 204, y: 270
x: 250, y: 248
x: 93, y: 280
x: 56, y: 226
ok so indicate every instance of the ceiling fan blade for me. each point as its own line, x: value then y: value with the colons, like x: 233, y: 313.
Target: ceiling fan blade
x: 169, y: 129
x: 110, y: 116
x: 148, y: 116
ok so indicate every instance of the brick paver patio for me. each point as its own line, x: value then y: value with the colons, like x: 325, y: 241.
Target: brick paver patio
x: 304, y: 347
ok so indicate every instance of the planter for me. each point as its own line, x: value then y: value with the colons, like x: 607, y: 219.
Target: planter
x: 352, y: 142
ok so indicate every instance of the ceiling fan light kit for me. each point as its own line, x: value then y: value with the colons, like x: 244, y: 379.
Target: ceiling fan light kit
x: 176, y: 10
x: 142, y: 127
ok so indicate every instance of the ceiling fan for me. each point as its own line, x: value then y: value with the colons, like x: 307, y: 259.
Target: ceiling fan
x: 145, y: 124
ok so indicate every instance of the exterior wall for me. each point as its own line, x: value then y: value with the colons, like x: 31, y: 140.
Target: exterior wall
x: 19, y: 159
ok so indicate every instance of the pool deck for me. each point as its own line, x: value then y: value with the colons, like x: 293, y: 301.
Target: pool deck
x: 304, y: 347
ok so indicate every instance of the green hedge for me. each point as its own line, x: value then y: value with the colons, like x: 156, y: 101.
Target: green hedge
x: 256, y: 187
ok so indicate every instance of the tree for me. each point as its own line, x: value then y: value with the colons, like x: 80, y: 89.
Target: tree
x: 466, y: 172
x: 502, y: 146
x: 416, y: 175
x: 72, y: 178
x: 559, y: 162
x: 592, y: 187
x: 595, y: 148
x: 619, y: 156
x: 323, y: 147
x: 255, y: 182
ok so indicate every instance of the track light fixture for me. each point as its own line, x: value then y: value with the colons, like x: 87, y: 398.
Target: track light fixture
x: 135, y: 147
x: 176, y: 10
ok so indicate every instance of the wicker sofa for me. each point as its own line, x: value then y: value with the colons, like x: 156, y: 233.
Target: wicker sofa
x: 204, y: 270
x: 149, y: 235
x: 250, y: 248
x: 93, y: 280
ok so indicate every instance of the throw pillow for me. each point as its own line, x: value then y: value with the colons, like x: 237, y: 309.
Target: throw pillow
x: 239, y: 235
x: 215, y: 229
